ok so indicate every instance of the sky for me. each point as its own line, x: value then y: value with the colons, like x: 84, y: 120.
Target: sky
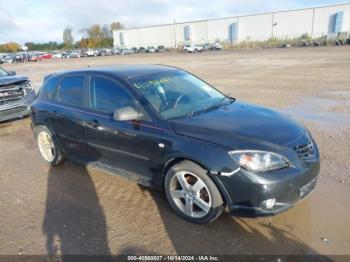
x: 44, y: 20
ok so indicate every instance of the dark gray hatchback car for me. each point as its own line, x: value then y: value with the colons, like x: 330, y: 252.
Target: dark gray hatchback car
x: 165, y: 128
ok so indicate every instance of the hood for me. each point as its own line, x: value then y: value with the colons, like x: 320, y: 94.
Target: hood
x: 241, y: 126
x: 10, y: 80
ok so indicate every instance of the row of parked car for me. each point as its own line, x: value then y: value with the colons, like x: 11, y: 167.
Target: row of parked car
x: 24, y: 57
x: 192, y: 48
x: 38, y: 56
x: 121, y: 51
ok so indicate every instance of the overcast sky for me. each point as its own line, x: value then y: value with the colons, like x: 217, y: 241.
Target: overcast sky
x: 44, y: 20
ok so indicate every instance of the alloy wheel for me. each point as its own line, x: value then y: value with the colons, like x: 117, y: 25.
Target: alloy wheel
x: 190, y: 194
x: 46, y: 146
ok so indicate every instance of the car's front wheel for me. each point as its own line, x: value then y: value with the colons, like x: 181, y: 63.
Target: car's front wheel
x: 192, y: 194
x: 48, y: 147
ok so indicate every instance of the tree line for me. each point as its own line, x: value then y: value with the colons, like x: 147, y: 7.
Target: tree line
x: 9, y: 47
x: 96, y: 36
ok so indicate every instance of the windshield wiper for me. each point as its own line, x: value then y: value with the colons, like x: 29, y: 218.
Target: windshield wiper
x: 226, y: 96
x: 217, y: 105
x: 190, y: 114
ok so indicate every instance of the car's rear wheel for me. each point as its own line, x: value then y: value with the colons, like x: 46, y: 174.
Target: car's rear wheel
x: 48, y: 147
x: 192, y: 194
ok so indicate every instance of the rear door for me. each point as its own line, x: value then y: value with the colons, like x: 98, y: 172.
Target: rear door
x: 127, y: 146
x: 67, y: 114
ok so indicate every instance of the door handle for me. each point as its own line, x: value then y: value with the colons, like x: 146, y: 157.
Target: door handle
x: 94, y: 123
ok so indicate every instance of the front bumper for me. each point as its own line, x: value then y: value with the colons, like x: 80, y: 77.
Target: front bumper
x: 247, y: 192
x: 17, y: 109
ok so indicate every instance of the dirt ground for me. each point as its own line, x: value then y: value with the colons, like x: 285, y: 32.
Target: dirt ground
x: 77, y: 210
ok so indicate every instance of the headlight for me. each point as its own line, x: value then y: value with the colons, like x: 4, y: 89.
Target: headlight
x: 29, y: 86
x: 259, y: 161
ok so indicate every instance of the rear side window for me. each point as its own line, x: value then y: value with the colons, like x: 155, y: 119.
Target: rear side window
x: 50, y: 87
x: 106, y: 96
x: 71, y: 91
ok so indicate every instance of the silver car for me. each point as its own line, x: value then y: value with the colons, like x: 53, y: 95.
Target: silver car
x: 16, y: 95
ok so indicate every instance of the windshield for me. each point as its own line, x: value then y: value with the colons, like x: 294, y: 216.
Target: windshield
x: 177, y: 94
x: 3, y: 72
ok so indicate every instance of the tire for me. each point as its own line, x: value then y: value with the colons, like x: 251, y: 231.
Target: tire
x: 45, y: 140
x: 199, y: 189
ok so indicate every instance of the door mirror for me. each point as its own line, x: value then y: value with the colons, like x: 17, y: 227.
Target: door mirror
x: 11, y: 73
x: 126, y: 113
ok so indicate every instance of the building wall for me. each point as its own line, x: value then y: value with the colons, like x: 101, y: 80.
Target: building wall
x: 255, y: 28
x: 292, y: 24
x: 315, y: 22
x: 219, y: 29
x: 323, y: 19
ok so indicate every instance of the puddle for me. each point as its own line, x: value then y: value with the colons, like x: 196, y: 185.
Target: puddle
x: 330, y: 111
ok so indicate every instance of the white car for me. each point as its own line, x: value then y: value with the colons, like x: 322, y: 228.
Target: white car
x: 217, y: 46
x: 8, y: 59
x: 90, y: 52
x: 191, y: 48
x: 57, y: 55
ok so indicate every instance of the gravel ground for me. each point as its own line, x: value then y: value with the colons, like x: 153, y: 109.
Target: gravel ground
x: 78, y: 210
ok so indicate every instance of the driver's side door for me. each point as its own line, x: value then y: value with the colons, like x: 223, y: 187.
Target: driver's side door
x: 127, y: 146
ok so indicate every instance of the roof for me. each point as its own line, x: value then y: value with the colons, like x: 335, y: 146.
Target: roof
x: 124, y: 71
x: 230, y: 17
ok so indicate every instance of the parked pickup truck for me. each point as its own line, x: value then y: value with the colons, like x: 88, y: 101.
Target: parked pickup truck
x: 16, y: 95
x: 89, y: 52
x: 191, y: 48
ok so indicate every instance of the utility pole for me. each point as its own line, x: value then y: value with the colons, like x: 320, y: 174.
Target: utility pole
x: 206, y: 31
x: 273, y: 23
x: 313, y: 23
x: 175, y: 33
x: 237, y: 33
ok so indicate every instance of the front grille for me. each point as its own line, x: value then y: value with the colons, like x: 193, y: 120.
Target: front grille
x: 7, y: 112
x: 11, y: 94
x: 306, y: 151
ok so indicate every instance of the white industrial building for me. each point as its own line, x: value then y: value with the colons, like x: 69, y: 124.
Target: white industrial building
x: 316, y: 22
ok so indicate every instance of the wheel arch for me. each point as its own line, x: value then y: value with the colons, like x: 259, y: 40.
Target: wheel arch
x: 212, y: 175
x: 177, y: 159
x: 54, y: 136
x: 36, y: 126
x: 58, y: 156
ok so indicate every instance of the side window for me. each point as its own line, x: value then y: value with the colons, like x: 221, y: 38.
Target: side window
x: 70, y: 91
x: 106, y: 96
x: 50, y: 87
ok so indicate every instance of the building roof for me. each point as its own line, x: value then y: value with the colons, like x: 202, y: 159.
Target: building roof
x: 229, y: 17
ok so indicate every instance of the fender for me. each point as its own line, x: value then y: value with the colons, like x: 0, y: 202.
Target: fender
x: 176, y: 158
